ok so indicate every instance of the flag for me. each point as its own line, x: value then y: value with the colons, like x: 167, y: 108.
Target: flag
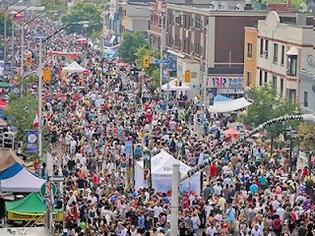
x: 36, y: 122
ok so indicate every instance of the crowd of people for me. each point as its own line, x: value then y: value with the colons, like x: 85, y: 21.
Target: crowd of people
x: 90, y: 117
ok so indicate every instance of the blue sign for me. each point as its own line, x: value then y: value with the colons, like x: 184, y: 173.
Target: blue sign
x: 172, y: 62
x: 1, y: 113
x: 7, y: 68
x: 1, y: 54
x: 31, y: 141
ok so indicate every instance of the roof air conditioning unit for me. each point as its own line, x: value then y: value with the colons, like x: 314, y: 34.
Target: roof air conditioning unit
x: 213, y: 6
x: 223, y: 6
x: 239, y: 7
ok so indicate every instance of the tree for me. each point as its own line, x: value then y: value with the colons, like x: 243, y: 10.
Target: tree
x: 54, y: 5
x: 129, y: 46
x: 266, y: 105
x: 9, y: 25
x: 84, y: 12
x: 307, y: 136
x: 22, y: 111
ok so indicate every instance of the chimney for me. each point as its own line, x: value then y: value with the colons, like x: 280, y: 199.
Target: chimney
x: 300, y: 19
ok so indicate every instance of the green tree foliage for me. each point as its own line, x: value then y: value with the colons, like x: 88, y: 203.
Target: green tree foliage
x: 22, y: 111
x: 307, y: 136
x: 54, y: 5
x: 9, y: 25
x: 129, y: 46
x: 84, y: 12
x: 267, y: 105
x: 153, y: 71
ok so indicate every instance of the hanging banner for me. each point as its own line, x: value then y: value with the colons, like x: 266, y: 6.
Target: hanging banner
x: 147, y: 168
x: 1, y: 113
x: 1, y: 53
x: 31, y: 141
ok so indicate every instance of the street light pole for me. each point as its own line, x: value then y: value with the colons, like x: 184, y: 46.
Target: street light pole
x: 161, y: 52
x: 40, y: 84
x: 175, y: 200
x: 205, y: 74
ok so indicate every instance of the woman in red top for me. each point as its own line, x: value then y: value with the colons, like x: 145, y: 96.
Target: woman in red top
x: 213, y: 170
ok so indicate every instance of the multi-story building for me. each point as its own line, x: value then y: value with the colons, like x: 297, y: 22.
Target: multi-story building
x: 215, y: 33
x: 156, y: 22
x: 135, y: 16
x: 281, y: 54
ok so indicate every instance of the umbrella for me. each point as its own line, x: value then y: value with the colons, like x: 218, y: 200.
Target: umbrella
x: 3, y: 104
x: 82, y: 41
x: 5, y: 85
x: 231, y: 132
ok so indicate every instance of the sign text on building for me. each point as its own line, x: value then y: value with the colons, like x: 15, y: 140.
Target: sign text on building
x: 225, y: 82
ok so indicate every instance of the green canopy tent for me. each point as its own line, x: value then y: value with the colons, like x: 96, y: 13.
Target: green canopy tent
x: 5, y: 85
x: 31, y: 207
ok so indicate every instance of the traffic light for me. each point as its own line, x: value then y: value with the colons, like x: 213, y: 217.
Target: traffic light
x: 46, y: 74
x: 187, y: 76
x: 28, y: 59
x: 146, y: 62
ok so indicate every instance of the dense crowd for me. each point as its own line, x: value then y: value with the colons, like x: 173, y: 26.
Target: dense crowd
x: 90, y: 117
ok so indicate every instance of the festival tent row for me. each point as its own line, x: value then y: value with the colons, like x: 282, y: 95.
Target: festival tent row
x: 229, y: 105
x: 162, y: 171
x: 31, y: 207
x: 14, y: 177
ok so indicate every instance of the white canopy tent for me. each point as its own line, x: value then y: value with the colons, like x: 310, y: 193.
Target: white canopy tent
x: 171, y: 86
x: 229, y: 106
x: 74, y: 67
x: 162, y: 170
x: 24, y: 181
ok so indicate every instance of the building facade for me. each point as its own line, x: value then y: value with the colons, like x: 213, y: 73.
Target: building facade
x: 214, y: 37
x: 250, y: 57
x: 157, y: 20
x: 281, y: 54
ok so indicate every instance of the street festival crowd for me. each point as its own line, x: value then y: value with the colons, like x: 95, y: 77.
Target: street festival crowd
x: 90, y: 117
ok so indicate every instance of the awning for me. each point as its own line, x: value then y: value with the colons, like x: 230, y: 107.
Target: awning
x: 229, y: 106
x: 174, y: 86
x: 293, y: 51
x: 178, y: 54
x: 74, y: 67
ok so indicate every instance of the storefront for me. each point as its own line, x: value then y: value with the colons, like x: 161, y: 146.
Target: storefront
x: 230, y: 86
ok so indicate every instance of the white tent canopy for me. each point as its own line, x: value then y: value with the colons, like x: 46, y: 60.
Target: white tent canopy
x: 162, y: 170
x: 74, y: 67
x: 24, y: 181
x: 171, y: 86
x: 229, y: 106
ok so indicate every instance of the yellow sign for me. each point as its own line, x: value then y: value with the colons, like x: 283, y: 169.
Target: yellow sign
x: 187, y: 76
x: 58, y: 216
x: 146, y: 62
x: 46, y: 74
x: 28, y: 59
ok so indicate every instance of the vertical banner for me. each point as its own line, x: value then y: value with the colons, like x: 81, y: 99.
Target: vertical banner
x: 1, y: 113
x: 1, y: 53
x: 31, y: 141
x: 147, y: 168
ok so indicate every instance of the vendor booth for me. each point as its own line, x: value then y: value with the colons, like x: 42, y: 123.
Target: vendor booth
x: 229, y: 105
x: 31, y: 207
x: 162, y: 170
x: 175, y: 85
x: 74, y: 67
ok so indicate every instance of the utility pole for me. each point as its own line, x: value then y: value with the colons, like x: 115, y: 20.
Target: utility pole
x: 40, y: 77
x: 161, y: 52
x: 205, y: 78
x: 22, y: 59
x: 175, y: 200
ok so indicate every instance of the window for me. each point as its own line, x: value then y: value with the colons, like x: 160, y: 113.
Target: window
x: 266, y: 48
x: 249, y: 78
x: 249, y: 50
x: 282, y: 54
x: 292, y: 95
x: 292, y: 65
x: 281, y: 87
x: 261, y: 47
x: 274, y: 82
x: 305, y: 99
x: 266, y: 77
x: 260, y: 77
x: 275, y: 52
x: 178, y: 20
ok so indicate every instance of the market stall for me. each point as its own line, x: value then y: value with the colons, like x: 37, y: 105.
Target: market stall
x: 161, y: 169
x: 229, y: 105
x: 31, y: 207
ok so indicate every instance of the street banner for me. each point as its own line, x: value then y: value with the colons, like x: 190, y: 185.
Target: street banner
x: 1, y: 113
x: 1, y: 53
x: 31, y: 141
x: 7, y: 68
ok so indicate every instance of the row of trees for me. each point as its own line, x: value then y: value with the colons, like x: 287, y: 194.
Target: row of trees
x: 134, y: 48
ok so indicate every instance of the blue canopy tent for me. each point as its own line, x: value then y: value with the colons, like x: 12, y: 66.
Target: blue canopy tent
x: 221, y: 98
x: 10, y: 171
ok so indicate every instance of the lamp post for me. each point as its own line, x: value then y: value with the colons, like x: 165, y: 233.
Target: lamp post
x: 147, y: 168
x: 161, y: 51
x: 5, y: 30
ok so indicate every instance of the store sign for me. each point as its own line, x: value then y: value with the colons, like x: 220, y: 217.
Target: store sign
x: 225, y: 82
